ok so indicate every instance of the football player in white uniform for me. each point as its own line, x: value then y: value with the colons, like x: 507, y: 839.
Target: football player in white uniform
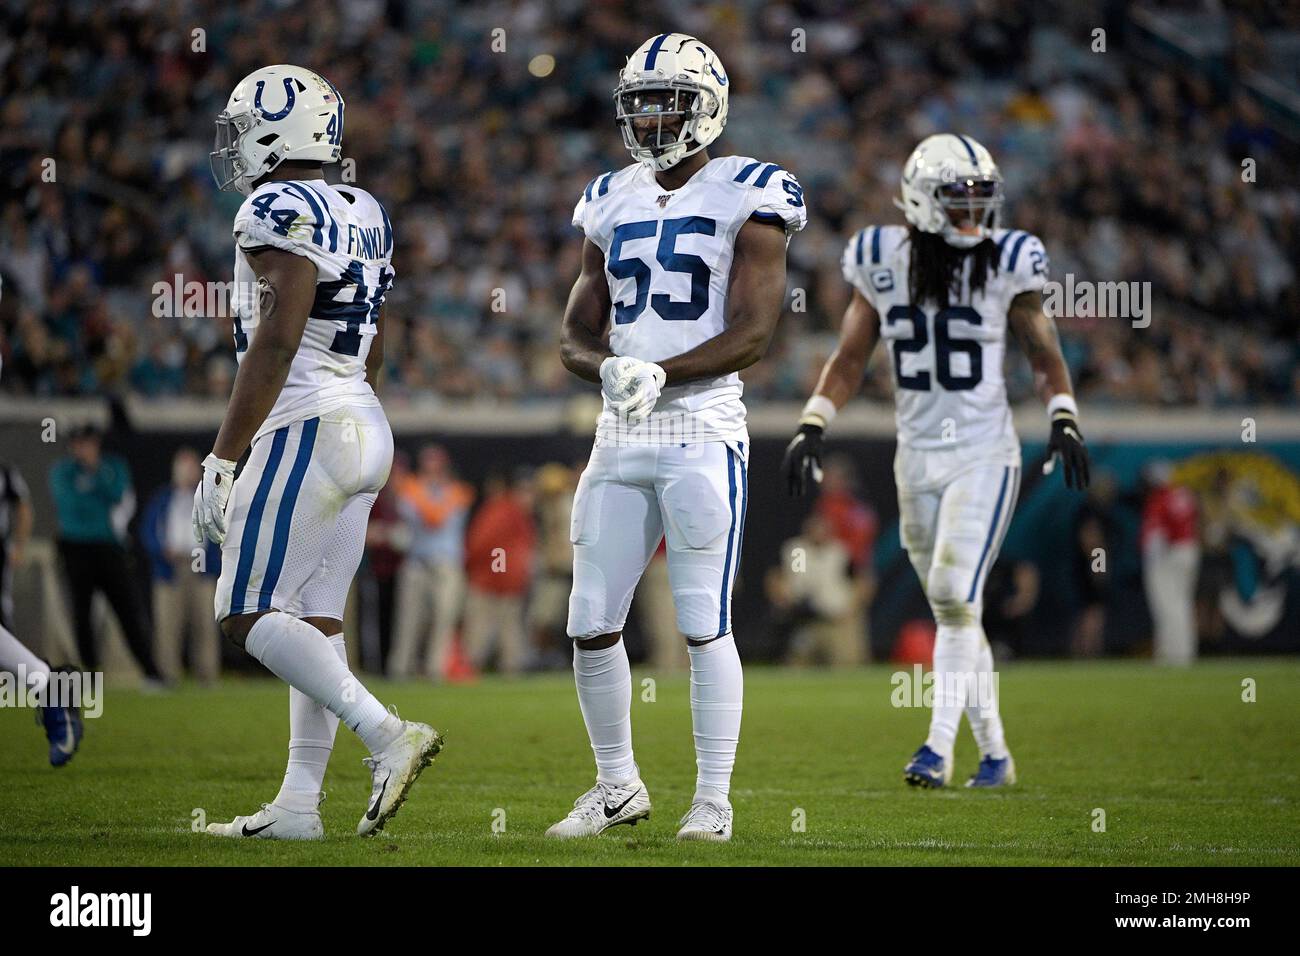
x: 312, y: 266
x: 942, y: 293
x: 682, y: 283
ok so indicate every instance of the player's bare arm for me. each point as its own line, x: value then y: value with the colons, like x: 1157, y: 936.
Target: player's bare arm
x: 859, y: 332
x: 840, y: 380
x: 286, y: 287
x: 755, y: 292
x: 375, y: 357
x: 1036, y: 333
x: 24, y: 521
x: 583, y: 342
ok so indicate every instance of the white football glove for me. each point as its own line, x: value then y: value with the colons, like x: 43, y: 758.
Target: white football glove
x: 211, y: 498
x: 616, y: 377
x: 647, y: 381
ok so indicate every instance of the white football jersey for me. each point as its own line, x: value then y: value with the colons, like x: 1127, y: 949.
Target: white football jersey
x: 668, y: 263
x: 949, y: 387
x: 346, y: 233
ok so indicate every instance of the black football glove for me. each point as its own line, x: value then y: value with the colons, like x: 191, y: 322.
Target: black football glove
x: 803, y: 460
x: 1067, y: 444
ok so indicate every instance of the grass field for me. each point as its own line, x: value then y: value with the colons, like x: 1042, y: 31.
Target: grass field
x: 1186, y: 772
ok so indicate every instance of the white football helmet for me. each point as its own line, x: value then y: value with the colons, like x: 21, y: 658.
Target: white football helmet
x: 952, y: 187
x: 276, y: 113
x: 671, y: 75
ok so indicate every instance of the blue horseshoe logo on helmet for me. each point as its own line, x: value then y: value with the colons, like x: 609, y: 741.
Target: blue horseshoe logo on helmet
x: 288, y: 105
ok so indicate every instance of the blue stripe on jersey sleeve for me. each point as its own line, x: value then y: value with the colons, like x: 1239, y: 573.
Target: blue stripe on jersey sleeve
x: 587, y: 191
x: 1015, y: 251
x: 316, y: 234
x: 765, y: 175
x: 388, y: 228
x: 745, y: 173
x: 1002, y: 243
x: 334, y: 226
x: 771, y: 218
x: 862, y: 238
x: 875, y: 245
x: 604, y: 184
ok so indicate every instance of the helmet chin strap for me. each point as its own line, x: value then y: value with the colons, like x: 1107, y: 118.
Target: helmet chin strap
x: 961, y: 240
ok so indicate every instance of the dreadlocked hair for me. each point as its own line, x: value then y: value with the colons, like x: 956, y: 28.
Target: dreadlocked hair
x: 935, y: 271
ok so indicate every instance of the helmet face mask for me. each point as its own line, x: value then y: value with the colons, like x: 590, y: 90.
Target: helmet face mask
x: 226, y: 163
x: 671, y: 100
x: 971, y: 205
x: 659, y: 119
x: 951, y: 187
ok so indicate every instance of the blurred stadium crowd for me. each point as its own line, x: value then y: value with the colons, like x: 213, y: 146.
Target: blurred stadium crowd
x: 479, y: 155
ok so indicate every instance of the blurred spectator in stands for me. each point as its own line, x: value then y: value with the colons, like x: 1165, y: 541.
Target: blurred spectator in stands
x: 500, y: 555
x: 1095, y: 537
x: 1088, y: 163
x: 814, y: 592
x: 855, y: 525
x: 386, y: 542
x: 657, y: 613
x: 1171, y: 555
x: 433, y: 505
x: 184, y: 582
x: 548, y: 605
x: 16, y: 519
x: 94, y: 501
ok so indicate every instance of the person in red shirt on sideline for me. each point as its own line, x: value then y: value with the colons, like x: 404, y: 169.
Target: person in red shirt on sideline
x: 1171, y: 555
x: 500, y: 553
x: 853, y: 523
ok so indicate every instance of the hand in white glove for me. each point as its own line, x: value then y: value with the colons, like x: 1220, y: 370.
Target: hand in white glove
x: 211, y: 497
x: 647, y: 382
x: 616, y: 377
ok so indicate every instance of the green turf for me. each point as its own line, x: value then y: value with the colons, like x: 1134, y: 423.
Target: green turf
x: 1187, y: 773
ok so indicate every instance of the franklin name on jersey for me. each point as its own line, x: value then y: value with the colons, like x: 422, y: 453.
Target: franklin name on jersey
x: 347, y: 235
x: 668, y: 261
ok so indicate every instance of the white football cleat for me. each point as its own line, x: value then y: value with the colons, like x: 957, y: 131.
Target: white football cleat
x: 273, y: 822
x: 603, y: 806
x: 394, y: 769
x: 706, y: 820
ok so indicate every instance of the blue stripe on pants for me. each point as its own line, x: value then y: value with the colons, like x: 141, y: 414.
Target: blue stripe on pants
x: 993, y: 530
x: 284, y: 517
x: 253, y: 522
x: 731, y: 534
x: 739, y: 502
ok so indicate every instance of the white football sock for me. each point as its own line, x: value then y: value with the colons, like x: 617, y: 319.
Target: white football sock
x: 14, y: 654
x: 604, y: 682
x: 717, y: 697
x: 311, y: 740
x: 982, y: 708
x: 299, y: 655
x: 956, y: 651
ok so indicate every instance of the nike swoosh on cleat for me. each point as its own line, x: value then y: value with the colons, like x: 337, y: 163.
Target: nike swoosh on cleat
x: 254, y: 832
x: 69, y: 744
x: 611, y: 814
x: 373, y: 812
